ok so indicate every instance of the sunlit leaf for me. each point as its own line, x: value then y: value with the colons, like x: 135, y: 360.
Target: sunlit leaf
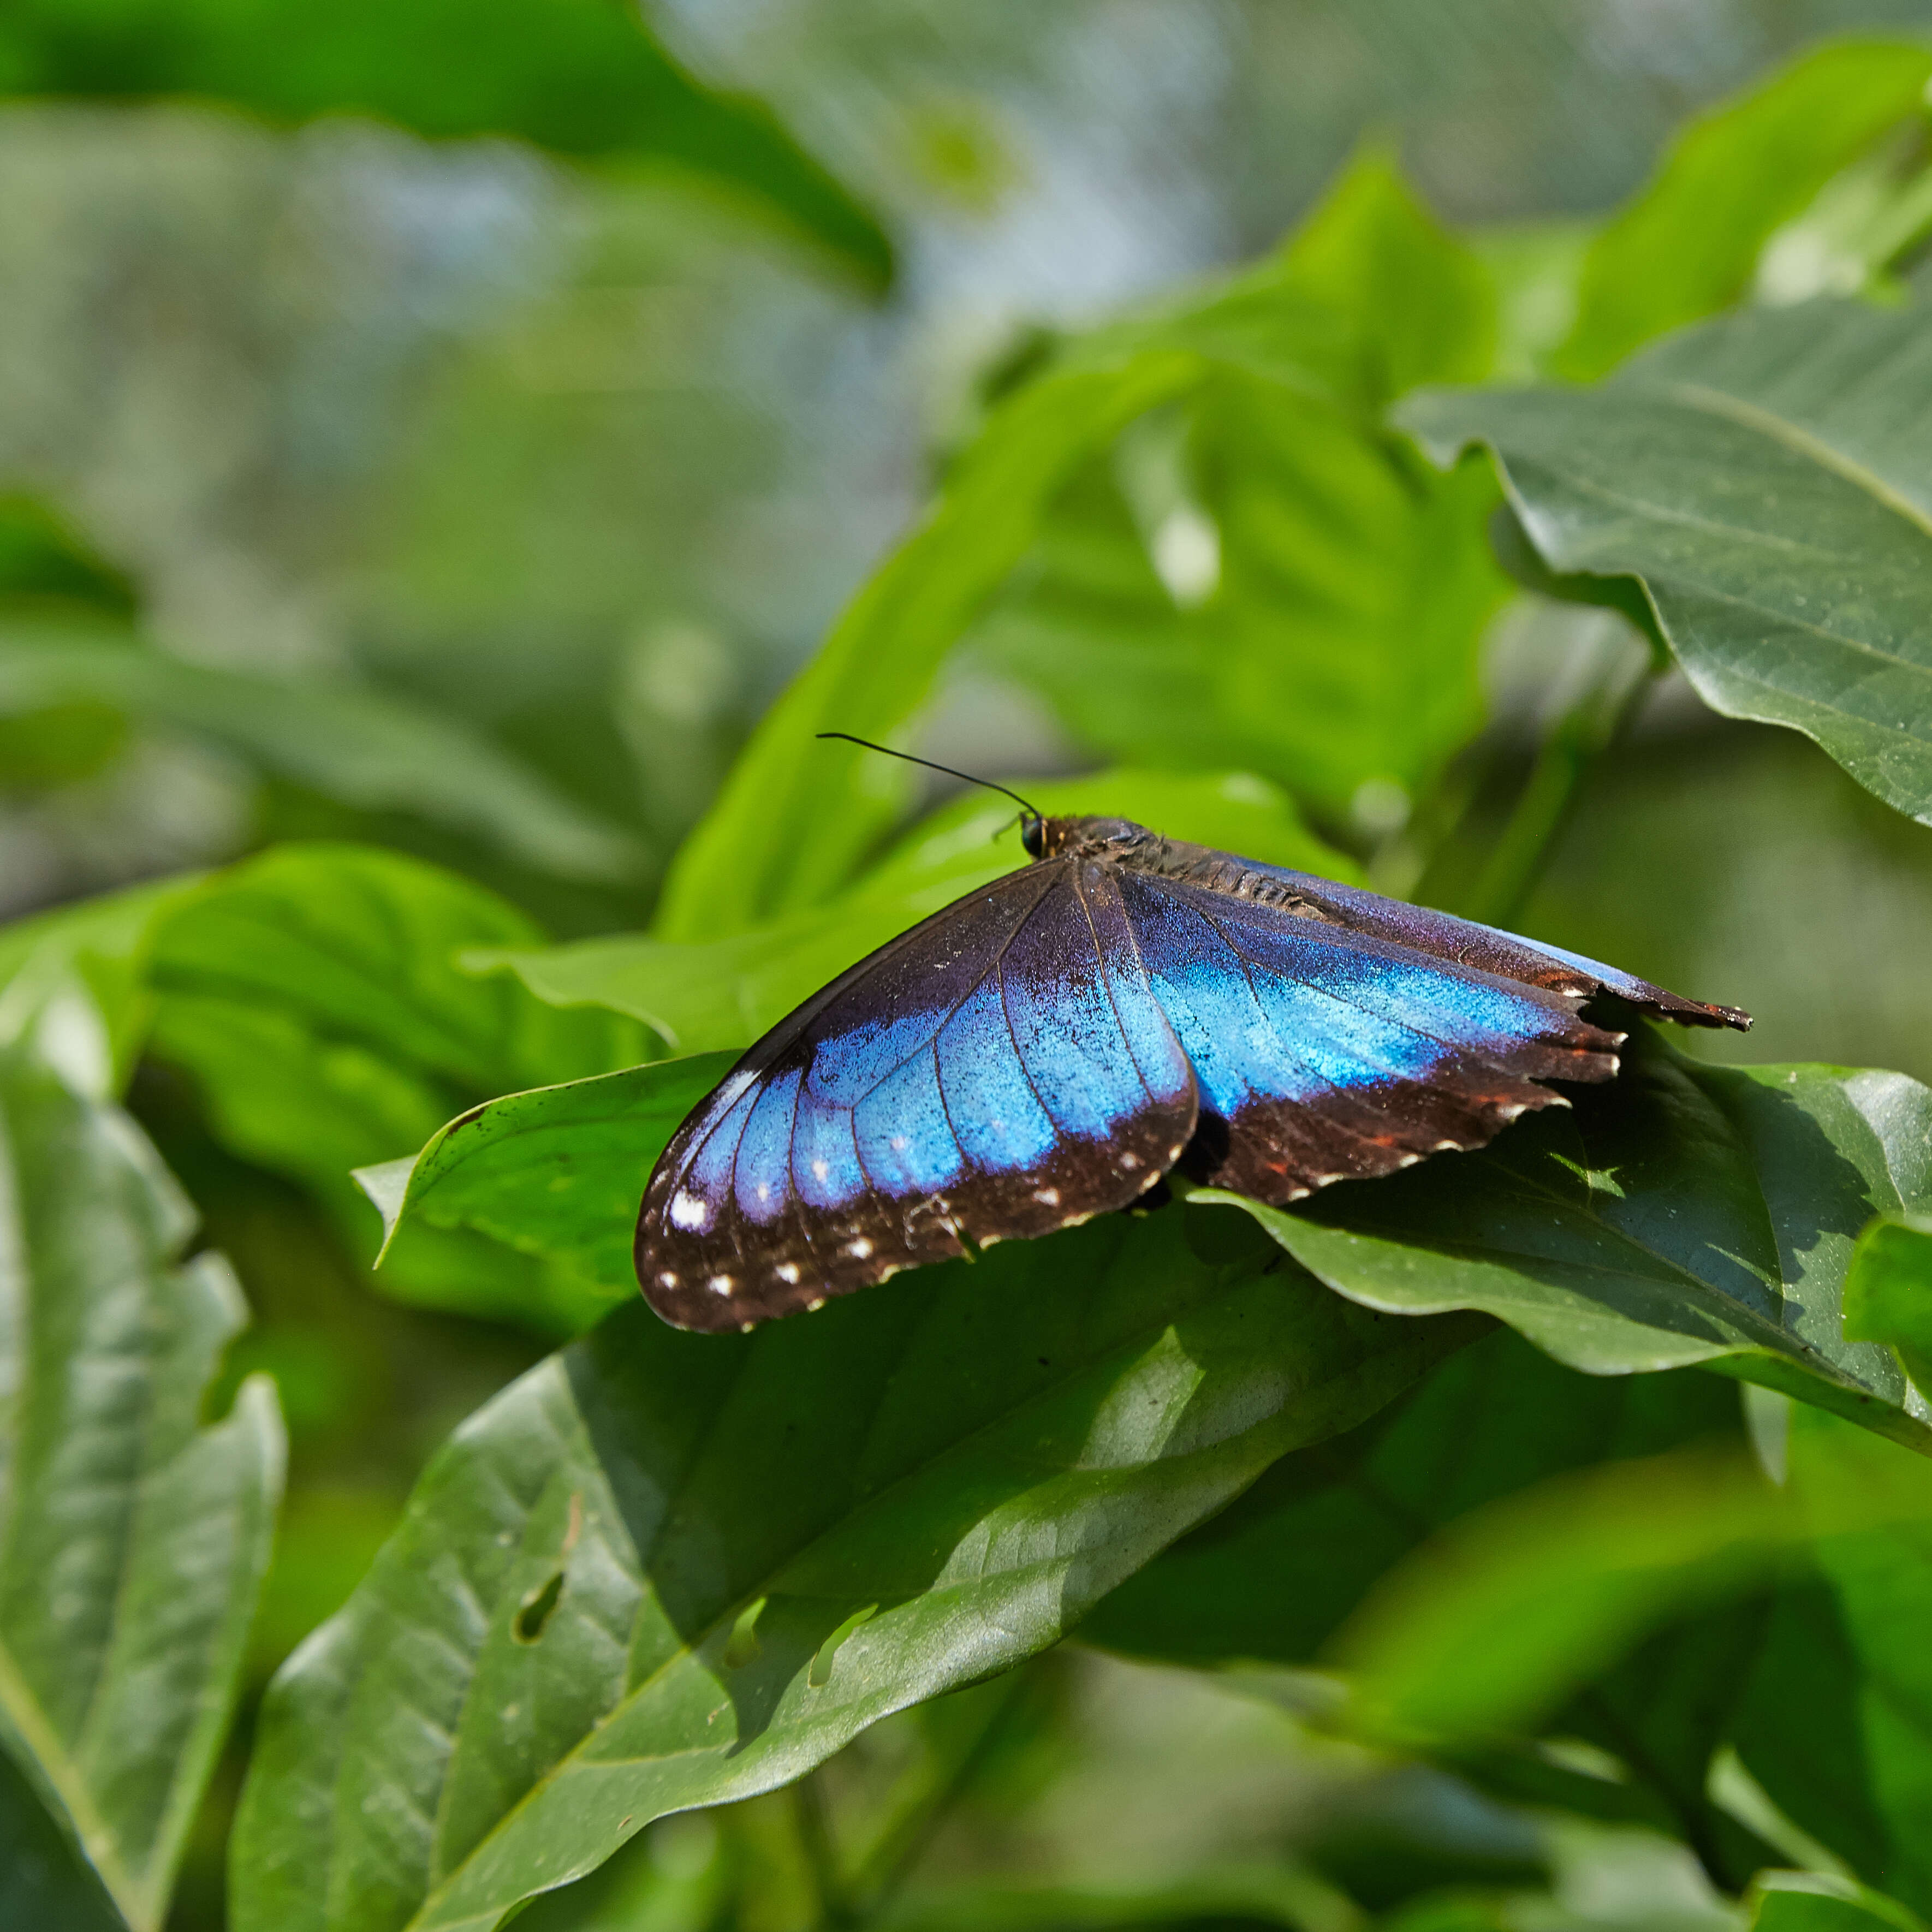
x: 979, y: 1451
x: 1687, y: 244
x: 1889, y: 1291
x: 1684, y: 1213
x: 1767, y: 478
x: 132, y: 1536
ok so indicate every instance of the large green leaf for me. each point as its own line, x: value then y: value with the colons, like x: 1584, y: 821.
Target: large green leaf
x: 557, y: 1173
x: 1837, y: 1726
x: 1330, y: 638
x: 704, y: 995
x: 1687, y: 245
x: 666, y: 1569
x: 1767, y: 477
x: 1273, y: 1576
x: 359, y: 747
x: 132, y: 1536
x: 578, y: 76
x: 313, y: 995
x: 1684, y: 1214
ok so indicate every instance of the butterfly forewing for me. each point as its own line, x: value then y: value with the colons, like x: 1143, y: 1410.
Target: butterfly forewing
x: 1001, y: 1070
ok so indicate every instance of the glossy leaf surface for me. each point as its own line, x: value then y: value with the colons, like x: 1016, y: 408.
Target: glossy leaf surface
x: 1767, y: 478
x: 557, y: 1173
x: 950, y: 1471
x: 1684, y: 1213
x: 133, y: 1537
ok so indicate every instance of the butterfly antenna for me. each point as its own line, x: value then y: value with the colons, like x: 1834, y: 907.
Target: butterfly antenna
x: 1029, y: 811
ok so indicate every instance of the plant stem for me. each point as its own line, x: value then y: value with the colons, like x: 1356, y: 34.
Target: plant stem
x: 1571, y: 748
x: 814, y: 1827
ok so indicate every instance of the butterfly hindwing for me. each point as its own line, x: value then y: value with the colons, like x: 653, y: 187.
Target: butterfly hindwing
x: 1323, y: 1054
x: 1001, y: 1070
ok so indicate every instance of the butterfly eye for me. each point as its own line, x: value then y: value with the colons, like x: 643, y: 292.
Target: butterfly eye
x: 1033, y: 836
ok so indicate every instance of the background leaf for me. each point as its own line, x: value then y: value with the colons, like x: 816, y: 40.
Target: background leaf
x: 1684, y: 1213
x: 1268, y: 578
x: 1837, y: 1724
x: 1687, y: 245
x: 1766, y: 477
x: 1889, y: 1291
x: 361, y: 747
x: 577, y: 77
x: 976, y: 1457
x: 133, y: 1538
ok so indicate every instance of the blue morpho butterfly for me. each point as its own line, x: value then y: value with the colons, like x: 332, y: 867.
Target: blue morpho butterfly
x: 1049, y: 1046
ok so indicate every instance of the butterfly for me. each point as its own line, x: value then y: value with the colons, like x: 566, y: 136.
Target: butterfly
x: 1048, y: 1047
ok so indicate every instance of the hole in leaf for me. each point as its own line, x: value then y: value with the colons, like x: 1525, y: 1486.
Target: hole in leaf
x: 535, y: 1610
x: 819, y: 1675
x: 743, y: 1647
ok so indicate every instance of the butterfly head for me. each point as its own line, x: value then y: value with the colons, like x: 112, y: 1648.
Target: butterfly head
x: 1083, y: 838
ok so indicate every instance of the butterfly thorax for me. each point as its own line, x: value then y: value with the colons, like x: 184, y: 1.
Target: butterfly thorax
x: 1119, y: 841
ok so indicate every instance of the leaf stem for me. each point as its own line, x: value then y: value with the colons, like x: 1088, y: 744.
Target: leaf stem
x: 1575, y: 741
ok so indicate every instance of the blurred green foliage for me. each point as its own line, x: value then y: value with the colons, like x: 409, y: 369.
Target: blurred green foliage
x: 409, y: 540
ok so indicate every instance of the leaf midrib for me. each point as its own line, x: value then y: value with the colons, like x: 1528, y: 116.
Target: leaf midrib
x: 1139, y: 1342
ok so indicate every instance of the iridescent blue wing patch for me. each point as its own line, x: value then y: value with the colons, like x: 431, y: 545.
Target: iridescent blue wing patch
x: 1325, y: 1054
x: 1001, y: 1070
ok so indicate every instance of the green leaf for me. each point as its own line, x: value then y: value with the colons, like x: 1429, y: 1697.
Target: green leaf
x: 557, y: 1173
x: 1684, y: 1214
x: 359, y: 747
x: 1321, y: 597
x: 103, y: 943
x: 796, y: 816
x: 1782, y: 1901
x: 577, y: 77
x: 703, y: 995
x: 1422, y: 304
x: 1688, y: 244
x: 1273, y: 1577
x: 1276, y: 1573
x: 133, y: 1537
x: 1766, y: 476
x: 1837, y: 1725
x: 1889, y: 1291
x: 1492, y: 1627
x: 981, y: 1451
x: 313, y: 995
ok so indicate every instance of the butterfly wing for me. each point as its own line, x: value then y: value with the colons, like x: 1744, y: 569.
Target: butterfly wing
x: 1002, y: 1069
x: 1487, y: 948
x: 1325, y: 1054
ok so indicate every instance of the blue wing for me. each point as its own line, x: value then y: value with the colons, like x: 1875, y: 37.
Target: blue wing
x: 1003, y: 1069
x: 1325, y: 1053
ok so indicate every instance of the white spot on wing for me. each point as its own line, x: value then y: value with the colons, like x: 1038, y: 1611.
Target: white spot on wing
x: 859, y: 1249
x: 721, y: 1284
x: 689, y: 1211
x: 787, y: 1271
x: 820, y: 1170
x: 1130, y: 1160
x: 1047, y: 1197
